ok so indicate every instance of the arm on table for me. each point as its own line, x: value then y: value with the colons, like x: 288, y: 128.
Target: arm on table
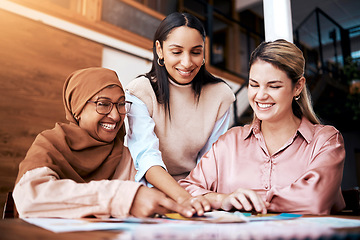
x: 141, y: 138
x: 144, y: 147
x: 203, y: 180
x: 316, y: 190
x: 40, y: 193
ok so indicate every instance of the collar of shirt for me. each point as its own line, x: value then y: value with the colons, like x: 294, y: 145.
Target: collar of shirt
x: 306, y: 130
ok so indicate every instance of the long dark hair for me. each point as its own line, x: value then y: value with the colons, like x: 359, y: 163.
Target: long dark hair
x: 158, y: 75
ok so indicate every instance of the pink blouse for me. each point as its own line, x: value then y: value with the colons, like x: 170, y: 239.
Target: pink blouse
x: 303, y: 176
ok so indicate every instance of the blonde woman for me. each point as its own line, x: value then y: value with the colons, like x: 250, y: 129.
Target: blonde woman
x: 285, y: 161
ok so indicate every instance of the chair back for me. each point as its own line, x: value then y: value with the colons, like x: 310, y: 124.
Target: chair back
x: 9, y: 207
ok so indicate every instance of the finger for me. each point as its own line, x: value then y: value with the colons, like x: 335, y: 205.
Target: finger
x: 257, y: 202
x: 161, y: 210
x: 205, y: 203
x: 195, y: 203
x: 201, y: 205
x: 226, y: 204
x: 264, y: 205
x: 236, y: 203
x: 171, y: 205
x: 215, y: 205
x: 242, y: 198
x: 267, y: 205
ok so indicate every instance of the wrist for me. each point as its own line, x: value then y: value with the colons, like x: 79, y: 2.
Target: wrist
x: 182, y: 197
x: 215, y: 199
x: 213, y: 196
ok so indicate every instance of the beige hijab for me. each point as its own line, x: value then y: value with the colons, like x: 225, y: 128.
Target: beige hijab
x: 69, y: 150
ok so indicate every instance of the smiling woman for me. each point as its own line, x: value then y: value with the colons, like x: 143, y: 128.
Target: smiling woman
x: 179, y: 109
x: 270, y: 95
x: 100, y: 124
x: 285, y: 161
x: 184, y: 56
x: 82, y: 168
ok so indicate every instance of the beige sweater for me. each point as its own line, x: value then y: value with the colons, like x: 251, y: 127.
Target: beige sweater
x: 191, y: 124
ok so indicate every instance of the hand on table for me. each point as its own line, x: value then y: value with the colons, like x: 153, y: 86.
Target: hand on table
x: 149, y: 201
x: 199, y: 205
x: 245, y: 199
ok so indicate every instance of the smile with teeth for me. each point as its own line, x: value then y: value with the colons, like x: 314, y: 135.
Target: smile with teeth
x: 264, y: 105
x: 184, y: 72
x: 108, y: 126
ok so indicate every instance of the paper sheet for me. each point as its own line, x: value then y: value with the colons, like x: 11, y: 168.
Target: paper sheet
x: 152, y: 228
x: 213, y: 217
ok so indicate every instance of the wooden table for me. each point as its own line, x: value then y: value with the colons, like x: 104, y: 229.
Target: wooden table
x: 14, y: 229
x: 18, y: 229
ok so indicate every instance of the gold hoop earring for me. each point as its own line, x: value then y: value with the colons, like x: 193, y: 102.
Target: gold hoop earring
x: 159, y: 63
x: 297, y: 97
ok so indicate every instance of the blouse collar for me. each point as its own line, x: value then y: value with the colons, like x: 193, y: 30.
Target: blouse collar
x: 306, y: 129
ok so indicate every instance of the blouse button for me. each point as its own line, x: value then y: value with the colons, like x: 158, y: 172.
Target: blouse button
x: 266, y: 186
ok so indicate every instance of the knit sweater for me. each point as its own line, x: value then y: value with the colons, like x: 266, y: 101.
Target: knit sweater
x: 192, y: 120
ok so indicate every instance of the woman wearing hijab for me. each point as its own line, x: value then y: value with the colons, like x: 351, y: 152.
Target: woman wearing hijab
x: 82, y: 168
x: 285, y: 161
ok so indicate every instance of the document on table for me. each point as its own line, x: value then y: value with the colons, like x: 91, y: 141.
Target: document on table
x: 234, y: 217
x: 280, y: 225
x: 58, y: 225
x: 213, y: 217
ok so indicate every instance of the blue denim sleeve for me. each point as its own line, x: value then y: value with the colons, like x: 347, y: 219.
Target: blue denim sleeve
x: 141, y: 138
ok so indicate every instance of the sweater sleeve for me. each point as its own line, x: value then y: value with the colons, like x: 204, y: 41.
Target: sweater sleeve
x: 318, y: 189
x: 221, y: 126
x: 204, y: 177
x: 225, y: 96
x: 40, y: 193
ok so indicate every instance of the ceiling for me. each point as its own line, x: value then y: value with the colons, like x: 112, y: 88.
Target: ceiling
x: 344, y: 12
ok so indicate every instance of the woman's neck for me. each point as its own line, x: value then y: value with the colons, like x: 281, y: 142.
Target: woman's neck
x: 277, y: 133
x: 174, y: 82
x: 291, y: 122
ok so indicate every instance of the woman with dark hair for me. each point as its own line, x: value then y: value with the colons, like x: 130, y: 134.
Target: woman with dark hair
x: 285, y: 161
x: 179, y: 109
x: 82, y: 168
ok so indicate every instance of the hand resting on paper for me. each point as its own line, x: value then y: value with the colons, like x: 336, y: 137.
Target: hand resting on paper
x: 199, y: 205
x: 244, y: 199
x: 241, y: 199
x: 149, y: 201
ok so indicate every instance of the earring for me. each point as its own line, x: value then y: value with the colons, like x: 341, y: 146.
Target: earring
x: 203, y: 62
x: 297, y: 97
x: 159, y: 63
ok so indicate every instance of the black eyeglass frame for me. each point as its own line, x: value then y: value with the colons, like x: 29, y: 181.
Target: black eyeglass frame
x: 112, y: 106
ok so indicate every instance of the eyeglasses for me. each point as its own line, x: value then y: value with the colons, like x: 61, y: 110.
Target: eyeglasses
x: 105, y: 107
